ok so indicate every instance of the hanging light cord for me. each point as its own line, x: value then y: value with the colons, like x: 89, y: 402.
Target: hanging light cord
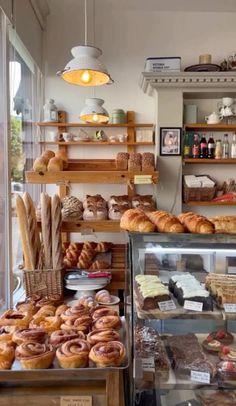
x: 85, y: 22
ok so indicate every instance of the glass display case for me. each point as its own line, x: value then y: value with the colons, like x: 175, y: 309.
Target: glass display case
x: 183, y: 314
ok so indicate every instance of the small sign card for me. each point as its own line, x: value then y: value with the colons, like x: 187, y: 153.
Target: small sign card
x: 76, y: 401
x: 203, y: 377
x: 195, y: 306
x: 167, y: 305
x: 230, y: 307
x: 142, y: 179
x: 148, y: 364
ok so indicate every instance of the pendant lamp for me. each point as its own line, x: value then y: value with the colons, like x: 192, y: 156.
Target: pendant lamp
x: 85, y: 69
x: 94, y: 112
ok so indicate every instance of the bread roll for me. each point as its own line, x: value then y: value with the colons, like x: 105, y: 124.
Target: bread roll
x: 197, y: 224
x: 165, y: 222
x: 48, y: 154
x: 63, y: 156
x: 224, y: 224
x: 40, y: 164
x: 55, y: 165
x: 136, y: 220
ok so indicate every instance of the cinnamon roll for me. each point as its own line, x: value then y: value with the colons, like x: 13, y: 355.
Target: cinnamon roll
x: 61, y: 336
x: 108, y: 354
x: 107, y: 322
x: 88, y: 301
x: 103, y: 296
x: 102, y: 311
x: 45, y: 311
x: 35, y: 355
x: 15, y: 318
x: 49, y: 324
x: 62, y: 308
x: 73, y: 354
x: 102, y: 336
x: 7, y: 355
x: 35, y: 335
x: 5, y: 334
x: 82, y: 323
x: 74, y: 312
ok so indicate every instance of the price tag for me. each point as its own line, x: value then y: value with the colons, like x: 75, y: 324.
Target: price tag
x: 203, y: 377
x: 230, y: 307
x: 76, y: 401
x: 142, y: 179
x: 87, y: 231
x: 167, y: 305
x: 148, y: 364
x: 195, y: 306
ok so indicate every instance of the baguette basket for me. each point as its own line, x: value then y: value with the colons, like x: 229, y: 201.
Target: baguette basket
x: 43, y: 282
x: 198, y: 193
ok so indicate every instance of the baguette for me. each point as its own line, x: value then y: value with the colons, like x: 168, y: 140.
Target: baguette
x: 45, y: 202
x: 197, y: 224
x: 25, y: 234
x: 165, y: 222
x: 57, y: 257
x: 136, y: 220
x: 33, y: 228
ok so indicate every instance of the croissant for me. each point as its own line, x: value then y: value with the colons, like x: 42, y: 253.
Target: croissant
x: 98, y: 264
x: 84, y: 264
x: 86, y: 255
x: 104, y: 246
x: 90, y: 245
x: 136, y: 220
x: 195, y: 223
x: 165, y: 222
x: 71, y: 255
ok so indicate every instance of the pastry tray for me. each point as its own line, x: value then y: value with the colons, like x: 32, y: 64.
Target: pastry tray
x: 55, y: 372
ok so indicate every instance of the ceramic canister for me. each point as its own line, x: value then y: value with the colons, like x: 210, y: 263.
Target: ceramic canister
x: 118, y: 116
x: 190, y: 113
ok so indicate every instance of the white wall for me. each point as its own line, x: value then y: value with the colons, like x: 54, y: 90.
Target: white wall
x: 128, y: 32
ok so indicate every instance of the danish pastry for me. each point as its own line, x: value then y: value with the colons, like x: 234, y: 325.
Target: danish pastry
x: 29, y: 335
x: 81, y: 323
x: 61, y: 336
x: 102, y: 336
x: 35, y: 355
x: 108, y: 354
x: 73, y: 354
x: 7, y: 355
x: 107, y: 322
x: 14, y: 318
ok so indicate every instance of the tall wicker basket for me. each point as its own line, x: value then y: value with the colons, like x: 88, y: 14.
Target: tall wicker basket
x: 43, y: 282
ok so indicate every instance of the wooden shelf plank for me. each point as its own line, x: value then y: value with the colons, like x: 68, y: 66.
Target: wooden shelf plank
x: 94, y: 143
x: 108, y: 226
x: 52, y: 124
x: 211, y: 127
x: 211, y: 203
x: 209, y: 161
x: 107, y: 177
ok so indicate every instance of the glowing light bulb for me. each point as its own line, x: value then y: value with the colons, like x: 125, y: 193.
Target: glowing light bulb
x: 95, y: 117
x: 86, y: 77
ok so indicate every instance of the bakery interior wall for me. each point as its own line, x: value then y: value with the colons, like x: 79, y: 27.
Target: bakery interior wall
x: 128, y: 32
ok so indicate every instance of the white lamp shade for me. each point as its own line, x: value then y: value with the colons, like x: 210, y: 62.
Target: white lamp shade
x: 85, y: 69
x: 93, y: 112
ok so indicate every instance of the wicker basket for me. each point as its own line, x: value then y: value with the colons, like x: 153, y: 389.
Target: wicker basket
x: 43, y: 282
x: 198, y: 193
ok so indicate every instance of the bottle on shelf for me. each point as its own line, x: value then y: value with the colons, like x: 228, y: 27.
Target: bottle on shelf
x: 233, y: 147
x: 186, y: 146
x: 211, y: 148
x: 196, y: 146
x: 218, y: 150
x: 203, y: 147
x: 225, y: 147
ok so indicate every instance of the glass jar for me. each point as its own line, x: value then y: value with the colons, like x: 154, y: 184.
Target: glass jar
x: 50, y: 111
x: 118, y: 116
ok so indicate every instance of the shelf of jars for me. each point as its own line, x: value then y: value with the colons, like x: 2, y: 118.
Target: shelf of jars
x: 64, y: 125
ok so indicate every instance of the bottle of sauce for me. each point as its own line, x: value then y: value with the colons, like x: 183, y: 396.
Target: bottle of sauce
x: 218, y: 150
x: 211, y: 148
x: 233, y: 147
x: 203, y: 147
x: 196, y: 146
x: 225, y: 147
x: 186, y: 146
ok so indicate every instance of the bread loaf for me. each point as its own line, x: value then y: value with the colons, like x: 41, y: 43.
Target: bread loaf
x: 135, y: 162
x: 25, y: 234
x: 136, y: 220
x: 165, y: 222
x: 55, y: 165
x: 148, y: 161
x: 45, y: 202
x: 48, y: 154
x: 33, y: 228
x: 56, y: 233
x: 40, y: 164
x: 197, y: 224
x: 224, y: 224
x: 61, y: 154
x: 122, y: 161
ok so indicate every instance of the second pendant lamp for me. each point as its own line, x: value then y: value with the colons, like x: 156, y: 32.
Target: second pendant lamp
x: 94, y: 112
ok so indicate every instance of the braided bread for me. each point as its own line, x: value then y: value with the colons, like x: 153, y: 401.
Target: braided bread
x: 104, y: 246
x: 100, y: 265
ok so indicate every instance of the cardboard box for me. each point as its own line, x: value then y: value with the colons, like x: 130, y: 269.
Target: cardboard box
x: 163, y: 64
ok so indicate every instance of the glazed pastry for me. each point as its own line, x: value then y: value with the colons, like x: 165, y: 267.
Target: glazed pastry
x: 7, y: 355
x: 118, y: 200
x: 224, y: 337
x: 61, y: 309
x: 49, y: 324
x: 136, y: 220
x: 115, y: 212
x: 81, y: 323
x: 73, y: 354
x: 35, y: 335
x: 74, y: 312
x: 45, y: 311
x: 107, y: 322
x: 5, y: 334
x: 35, y: 355
x: 98, y: 264
x: 88, y: 301
x: 96, y: 201
x: 104, y: 246
x: 227, y: 353
x: 211, y: 345
x: 103, y: 296
x: 15, y: 318
x: 102, y: 336
x: 59, y: 337
x: 102, y: 311
x: 54, y: 300
x: 92, y: 212
x: 108, y: 354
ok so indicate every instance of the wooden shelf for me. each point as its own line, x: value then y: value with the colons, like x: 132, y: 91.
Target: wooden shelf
x: 210, y: 203
x: 109, y: 226
x: 209, y: 161
x: 211, y: 127
x: 94, y: 143
x: 127, y: 125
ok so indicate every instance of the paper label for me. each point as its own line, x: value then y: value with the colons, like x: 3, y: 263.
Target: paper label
x: 230, y: 307
x: 195, y: 306
x: 142, y: 179
x: 167, y: 305
x: 86, y: 231
x: 76, y: 401
x: 148, y: 364
x: 203, y: 377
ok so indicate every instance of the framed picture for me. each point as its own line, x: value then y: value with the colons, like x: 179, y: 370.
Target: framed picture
x: 170, y: 140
